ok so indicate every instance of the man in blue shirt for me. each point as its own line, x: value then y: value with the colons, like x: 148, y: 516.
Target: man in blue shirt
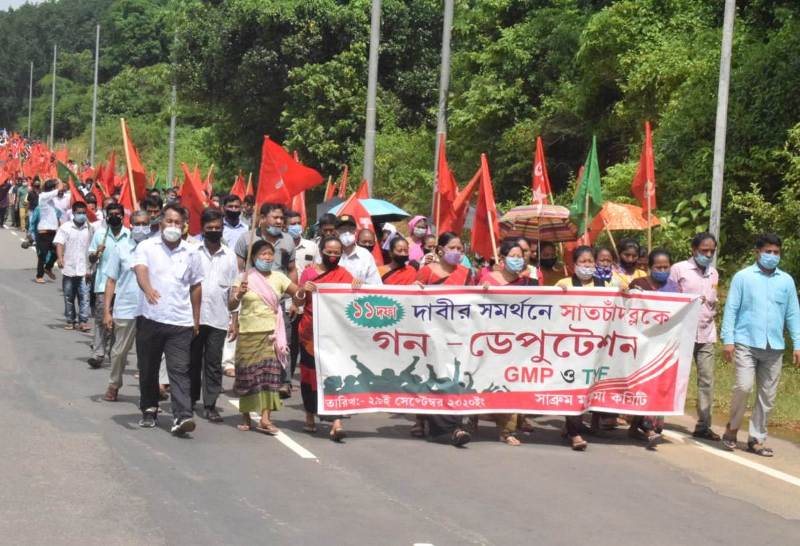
x: 761, y: 300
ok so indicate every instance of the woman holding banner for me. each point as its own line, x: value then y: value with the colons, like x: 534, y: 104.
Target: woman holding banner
x: 328, y: 271
x: 397, y: 271
x: 262, y: 349
x: 511, y: 268
x: 449, y: 270
x: 627, y: 270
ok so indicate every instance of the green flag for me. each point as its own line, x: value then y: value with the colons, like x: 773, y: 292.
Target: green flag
x: 65, y: 174
x: 589, y: 196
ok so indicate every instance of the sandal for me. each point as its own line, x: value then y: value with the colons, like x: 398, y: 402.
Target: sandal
x: 111, y: 394
x: 511, y: 440
x: 247, y: 423
x: 311, y: 429
x: 460, y: 437
x: 85, y: 328
x: 729, y: 439
x: 338, y: 434
x: 526, y: 425
x: 418, y: 429
x: 758, y: 448
x: 267, y: 428
x: 69, y: 327
x: 578, y: 443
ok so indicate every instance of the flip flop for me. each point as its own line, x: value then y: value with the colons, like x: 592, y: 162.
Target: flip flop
x: 69, y: 327
x: 311, y: 429
x: 269, y: 430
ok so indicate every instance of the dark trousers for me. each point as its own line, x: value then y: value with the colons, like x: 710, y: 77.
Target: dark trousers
x: 152, y: 340
x: 439, y: 425
x: 44, y: 245
x: 573, y: 424
x: 294, y: 346
x: 2, y: 216
x: 205, y: 366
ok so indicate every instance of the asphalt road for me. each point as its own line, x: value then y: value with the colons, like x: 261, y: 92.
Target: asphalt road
x: 77, y: 470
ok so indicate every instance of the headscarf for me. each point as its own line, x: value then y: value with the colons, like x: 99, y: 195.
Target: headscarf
x: 415, y: 250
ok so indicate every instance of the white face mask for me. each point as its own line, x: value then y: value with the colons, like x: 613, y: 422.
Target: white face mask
x: 171, y: 234
x: 347, y: 238
x: 584, y: 273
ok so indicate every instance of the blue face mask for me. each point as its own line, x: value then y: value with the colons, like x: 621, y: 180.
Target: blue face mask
x: 603, y: 273
x: 660, y: 276
x: 80, y: 218
x: 702, y: 260
x: 295, y: 230
x: 263, y: 265
x: 515, y: 264
x: 274, y: 231
x: 768, y: 261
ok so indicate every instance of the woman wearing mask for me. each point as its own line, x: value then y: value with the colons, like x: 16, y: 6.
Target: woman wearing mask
x: 328, y: 271
x: 604, y: 264
x: 628, y: 267
x: 511, y: 270
x: 397, y: 271
x: 261, y: 350
x: 418, y: 229
x: 448, y: 269
x: 648, y: 427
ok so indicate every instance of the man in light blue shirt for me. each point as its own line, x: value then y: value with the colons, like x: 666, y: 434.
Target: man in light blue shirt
x: 122, y: 289
x: 761, y: 300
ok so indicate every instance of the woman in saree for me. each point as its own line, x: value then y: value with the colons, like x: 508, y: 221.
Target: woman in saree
x: 328, y: 271
x: 397, y: 271
x: 261, y: 350
x: 648, y: 427
x: 449, y: 270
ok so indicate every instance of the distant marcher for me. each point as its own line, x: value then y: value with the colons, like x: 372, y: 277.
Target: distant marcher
x: 72, y: 246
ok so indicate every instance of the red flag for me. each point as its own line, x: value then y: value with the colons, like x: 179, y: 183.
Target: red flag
x: 354, y: 208
x: 98, y: 193
x: 541, y: 192
x: 249, y: 190
x: 77, y: 196
x: 330, y: 189
x: 238, y: 187
x: 343, y: 183
x: 363, y: 190
x: 62, y: 155
x: 299, y: 205
x: 486, y: 228
x: 134, y: 164
x: 281, y: 177
x: 455, y: 218
x: 108, y: 174
x: 446, y: 189
x: 152, y: 183
x: 644, y: 181
x: 193, y: 198
x: 87, y: 174
x: 209, y: 181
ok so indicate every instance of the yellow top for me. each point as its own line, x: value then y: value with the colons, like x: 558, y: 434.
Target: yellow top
x: 254, y: 314
x: 567, y: 283
x: 622, y: 280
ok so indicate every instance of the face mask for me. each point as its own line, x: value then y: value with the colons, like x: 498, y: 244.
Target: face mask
x: 660, y: 276
x: 296, y: 231
x: 274, y: 231
x: 140, y: 233
x: 768, y: 261
x: 79, y: 218
x: 330, y: 261
x: 368, y: 247
x: 263, y: 265
x: 515, y: 264
x: 548, y: 263
x: 232, y: 216
x: 155, y: 220
x: 114, y: 221
x: 584, y: 273
x: 420, y: 232
x: 171, y: 234
x: 702, y: 260
x: 453, y: 257
x: 212, y: 236
x: 400, y: 260
x: 602, y: 273
x: 347, y: 238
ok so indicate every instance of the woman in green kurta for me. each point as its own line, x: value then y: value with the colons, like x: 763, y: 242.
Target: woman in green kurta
x: 261, y: 351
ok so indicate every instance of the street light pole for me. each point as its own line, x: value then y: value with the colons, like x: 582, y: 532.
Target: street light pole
x: 444, y: 85
x: 94, y: 96
x: 30, y: 102
x: 372, y: 90
x: 173, y: 107
x: 53, y: 100
x: 722, y: 117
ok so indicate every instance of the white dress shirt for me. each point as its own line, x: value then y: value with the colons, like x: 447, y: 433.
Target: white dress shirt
x: 63, y: 203
x: 172, y: 272
x: 219, y: 273
x: 48, y: 217
x: 76, y: 240
x: 361, y: 265
x: 306, y: 253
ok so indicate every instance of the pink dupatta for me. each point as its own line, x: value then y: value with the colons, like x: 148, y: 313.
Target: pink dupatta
x: 256, y: 282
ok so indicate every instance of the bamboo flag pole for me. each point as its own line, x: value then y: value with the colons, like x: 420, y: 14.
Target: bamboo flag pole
x: 649, y: 217
x: 611, y: 238
x: 128, y: 164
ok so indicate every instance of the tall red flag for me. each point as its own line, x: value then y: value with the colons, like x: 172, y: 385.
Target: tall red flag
x: 299, y: 205
x: 108, y: 173
x: 486, y: 228
x: 343, y: 183
x: 644, y: 181
x: 249, y: 190
x: 281, y: 177
x: 208, y: 185
x: 541, y: 194
x: 135, y: 167
x: 330, y: 189
x: 238, y: 187
x: 446, y: 189
x: 193, y: 198
x: 77, y: 197
x: 455, y: 218
x: 363, y: 190
x: 354, y: 208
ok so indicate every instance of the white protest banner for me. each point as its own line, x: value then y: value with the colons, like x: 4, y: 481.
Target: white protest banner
x: 467, y: 350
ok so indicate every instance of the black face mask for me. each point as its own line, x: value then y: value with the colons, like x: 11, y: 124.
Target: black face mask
x: 368, y: 247
x: 114, y: 221
x: 232, y: 216
x: 212, y: 236
x: 548, y: 262
x: 330, y: 262
x: 400, y: 260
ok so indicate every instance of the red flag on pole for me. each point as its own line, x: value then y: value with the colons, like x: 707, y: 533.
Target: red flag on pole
x: 354, y: 208
x: 299, y: 205
x: 643, y: 186
x: 455, y: 218
x: 363, y: 190
x: 249, y: 190
x: 281, y: 177
x: 446, y: 189
x: 486, y: 222
x: 541, y: 192
x: 330, y: 190
x: 238, y: 188
x: 193, y: 198
x: 343, y: 183
x: 135, y: 167
x: 108, y: 173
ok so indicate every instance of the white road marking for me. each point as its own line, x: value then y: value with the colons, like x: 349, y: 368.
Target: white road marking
x: 282, y: 437
x: 727, y: 455
x: 422, y: 544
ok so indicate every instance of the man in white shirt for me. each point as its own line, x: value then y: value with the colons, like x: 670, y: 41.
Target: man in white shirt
x: 46, y: 229
x: 219, y: 273
x: 62, y: 202
x: 72, y: 245
x: 169, y: 272
x: 355, y: 259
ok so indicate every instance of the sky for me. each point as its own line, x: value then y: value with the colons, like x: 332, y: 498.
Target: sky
x: 5, y: 4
